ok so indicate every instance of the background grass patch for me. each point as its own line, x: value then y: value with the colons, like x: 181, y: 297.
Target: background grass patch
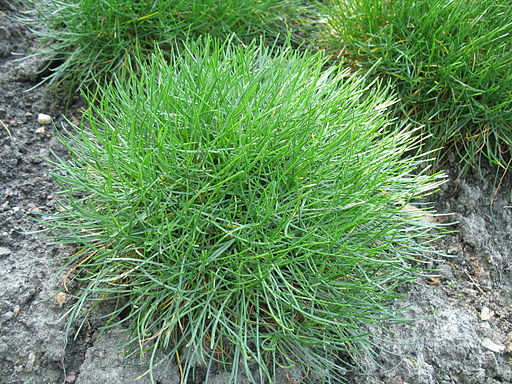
x: 450, y: 61
x: 83, y: 39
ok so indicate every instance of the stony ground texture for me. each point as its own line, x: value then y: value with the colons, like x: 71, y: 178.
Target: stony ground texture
x: 464, y: 330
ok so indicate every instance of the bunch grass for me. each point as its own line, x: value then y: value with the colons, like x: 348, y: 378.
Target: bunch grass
x: 244, y: 208
x: 84, y: 40
x: 450, y: 61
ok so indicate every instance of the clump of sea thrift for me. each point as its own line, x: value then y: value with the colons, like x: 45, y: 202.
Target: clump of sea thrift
x: 245, y: 208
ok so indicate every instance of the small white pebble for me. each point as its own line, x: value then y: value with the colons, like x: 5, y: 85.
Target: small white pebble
x: 492, y: 346
x: 40, y: 130
x: 486, y: 314
x: 30, y: 362
x: 44, y: 119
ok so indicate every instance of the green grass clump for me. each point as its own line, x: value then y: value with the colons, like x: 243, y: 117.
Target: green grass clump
x: 451, y: 61
x: 83, y: 39
x: 244, y: 207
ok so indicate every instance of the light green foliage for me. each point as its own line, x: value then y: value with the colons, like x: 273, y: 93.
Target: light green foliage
x: 451, y: 61
x: 87, y: 38
x: 244, y: 207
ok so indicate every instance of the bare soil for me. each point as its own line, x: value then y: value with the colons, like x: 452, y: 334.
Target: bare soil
x: 463, y: 332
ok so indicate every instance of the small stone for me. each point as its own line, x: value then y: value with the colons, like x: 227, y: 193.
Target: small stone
x: 44, y: 119
x: 16, y: 310
x: 486, y: 314
x: 446, y: 271
x: 17, y: 212
x: 30, y: 361
x: 35, y: 211
x: 492, y: 346
x: 417, y: 213
x: 60, y: 298
x: 454, y: 249
x: 53, y: 376
x: 70, y: 378
x: 435, y: 280
x: 40, y: 131
x: 8, y: 316
x: 509, y: 348
x: 4, y: 251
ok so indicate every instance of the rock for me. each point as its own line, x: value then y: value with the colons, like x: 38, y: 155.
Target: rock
x: 486, y: 329
x: 486, y: 314
x: 8, y: 316
x: 454, y: 249
x: 30, y: 361
x: 435, y: 280
x: 4, y: 251
x: 16, y: 310
x: 60, y: 298
x: 40, y: 131
x: 419, y: 214
x: 492, y: 346
x: 44, y: 119
x: 17, y: 212
x: 4, y: 36
x: 446, y: 271
x: 29, y: 69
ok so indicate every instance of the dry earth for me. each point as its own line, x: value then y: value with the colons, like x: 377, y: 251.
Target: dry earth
x: 464, y: 328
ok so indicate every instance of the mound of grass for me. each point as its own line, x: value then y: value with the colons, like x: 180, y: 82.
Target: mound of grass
x: 244, y: 208
x: 451, y: 62
x: 83, y: 39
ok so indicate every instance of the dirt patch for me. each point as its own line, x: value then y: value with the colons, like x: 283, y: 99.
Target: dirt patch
x: 464, y: 331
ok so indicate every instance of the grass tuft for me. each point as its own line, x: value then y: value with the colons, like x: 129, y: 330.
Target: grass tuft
x: 86, y: 39
x: 450, y: 61
x: 244, y: 208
